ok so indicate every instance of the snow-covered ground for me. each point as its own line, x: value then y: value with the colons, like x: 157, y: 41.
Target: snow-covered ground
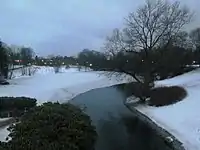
x: 4, y: 133
x: 15, y: 66
x: 3, y: 119
x: 17, y: 73
x: 46, y: 85
x: 183, y: 118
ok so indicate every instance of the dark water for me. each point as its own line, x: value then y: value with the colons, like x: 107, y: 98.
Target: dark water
x: 117, y: 127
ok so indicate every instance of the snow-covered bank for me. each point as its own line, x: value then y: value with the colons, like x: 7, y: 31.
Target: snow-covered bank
x: 183, y: 118
x: 46, y: 85
x: 4, y: 119
x: 4, y: 124
x: 4, y: 133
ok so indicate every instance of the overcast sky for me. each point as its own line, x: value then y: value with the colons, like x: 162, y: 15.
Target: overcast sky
x: 64, y: 27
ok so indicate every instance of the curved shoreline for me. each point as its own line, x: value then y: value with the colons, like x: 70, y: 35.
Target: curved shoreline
x: 6, y: 122
x: 175, y: 144
x: 171, y: 141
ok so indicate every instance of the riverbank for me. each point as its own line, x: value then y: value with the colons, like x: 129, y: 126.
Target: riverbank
x: 182, y: 119
x: 132, y: 104
x: 79, y: 82
x: 116, y: 124
x: 6, y: 121
x: 4, y: 124
x: 117, y: 127
x: 171, y: 141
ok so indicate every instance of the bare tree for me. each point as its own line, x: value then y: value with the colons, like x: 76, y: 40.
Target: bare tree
x: 115, y: 43
x: 182, y: 40
x: 14, y: 53
x: 153, y: 25
x: 56, y: 69
x: 26, y: 55
x: 195, y: 36
x: 154, y: 22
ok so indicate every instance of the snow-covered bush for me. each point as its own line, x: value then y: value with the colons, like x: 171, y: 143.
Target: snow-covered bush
x: 53, y: 126
x: 57, y: 69
x: 162, y: 96
x: 31, y: 70
x: 28, y: 70
x: 67, y: 66
x: 15, y: 106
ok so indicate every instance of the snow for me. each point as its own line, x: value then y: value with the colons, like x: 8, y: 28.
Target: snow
x: 183, y: 118
x: 17, y: 72
x: 46, y: 85
x: 3, y: 130
x: 4, y: 133
x: 3, y: 119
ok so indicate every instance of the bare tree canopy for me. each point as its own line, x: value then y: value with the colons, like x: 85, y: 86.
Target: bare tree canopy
x: 195, y: 36
x: 148, y: 33
x: 115, y: 43
x: 182, y: 40
x: 155, y: 22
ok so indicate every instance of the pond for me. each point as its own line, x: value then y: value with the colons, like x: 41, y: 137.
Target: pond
x: 117, y: 127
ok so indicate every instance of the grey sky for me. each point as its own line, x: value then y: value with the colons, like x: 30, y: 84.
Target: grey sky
x: 65, y: 26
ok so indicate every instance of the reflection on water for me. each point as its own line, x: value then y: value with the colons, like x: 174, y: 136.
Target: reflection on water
x: 118, y: 129
x: 112, y: 135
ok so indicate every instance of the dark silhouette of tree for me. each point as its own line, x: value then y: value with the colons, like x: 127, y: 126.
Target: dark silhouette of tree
x: 16, y: 105
x: 155, y: 25
x: 195, y: 36
x: 26, y: 55
x: 91, y: 58
x: 4, y: 60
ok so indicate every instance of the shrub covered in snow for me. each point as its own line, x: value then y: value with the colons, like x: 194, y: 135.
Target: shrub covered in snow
x: 67, y: 66
x: 53, y: 126
x: 57, y: 69
x: 166, y: 95
x: 15, y: 106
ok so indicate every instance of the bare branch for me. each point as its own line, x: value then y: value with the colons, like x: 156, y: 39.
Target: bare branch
x: 195, y: 37
x: 155, y: 21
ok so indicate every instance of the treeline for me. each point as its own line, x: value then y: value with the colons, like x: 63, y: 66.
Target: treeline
x: 93, y: 59
x: 152, y: 45
x: 163, y: 63
x: 55, y: 61
x: 13, y: 55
